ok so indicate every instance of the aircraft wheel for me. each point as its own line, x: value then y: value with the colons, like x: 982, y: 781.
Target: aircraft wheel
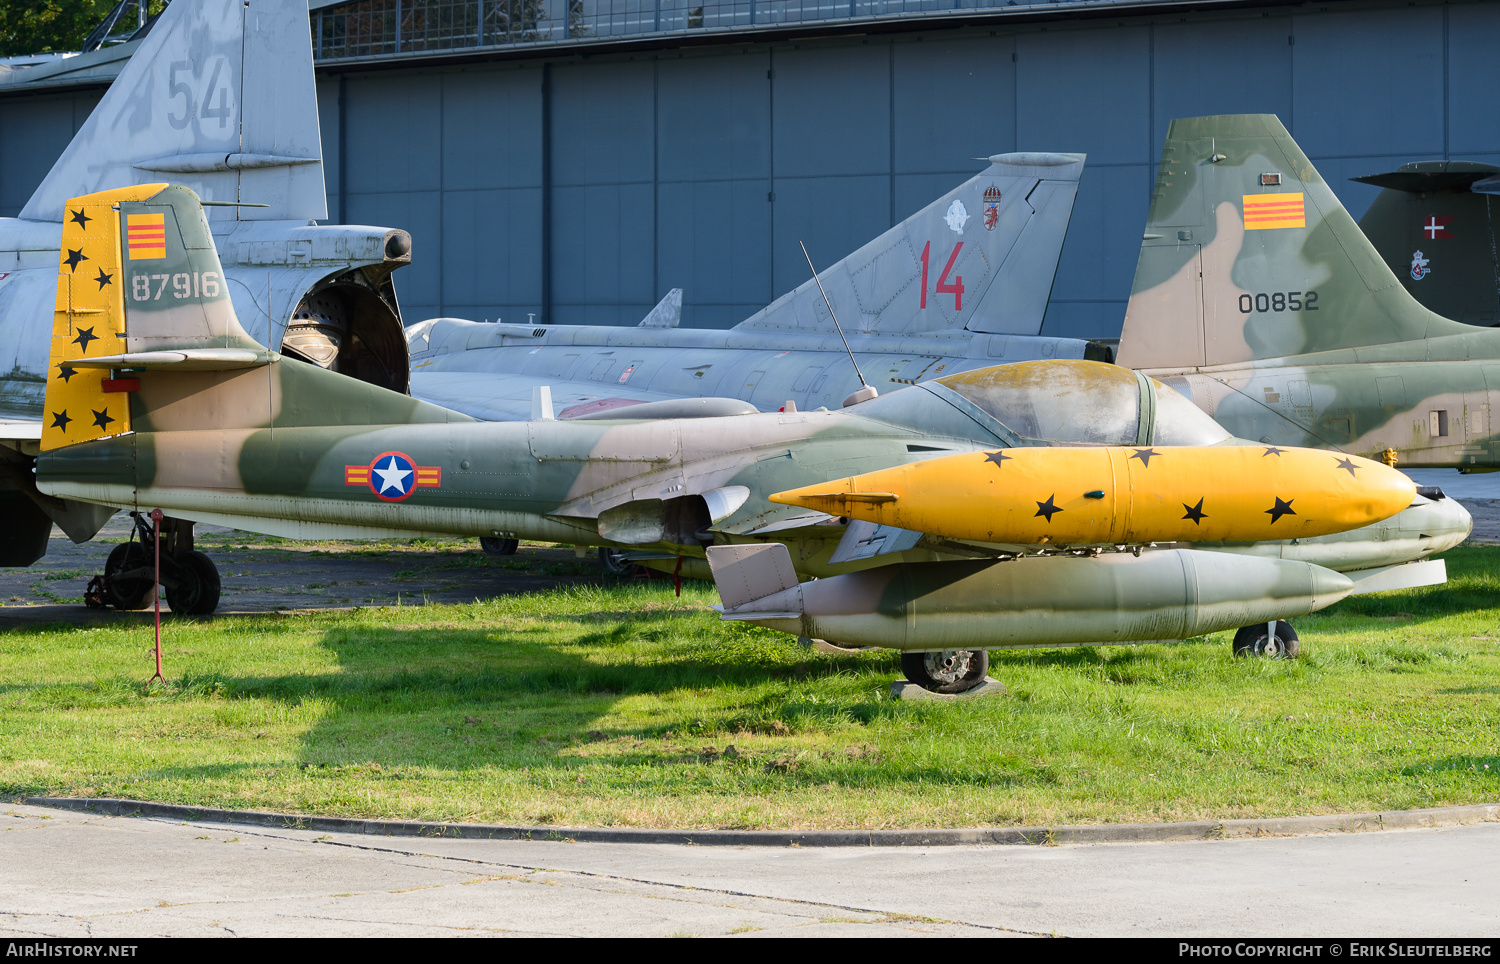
x: 948, y: 671
x: 612, y: 562
x: 197, y: 589
x: 499, y: 547
x: 126, y: 593
x: 1253, y: 640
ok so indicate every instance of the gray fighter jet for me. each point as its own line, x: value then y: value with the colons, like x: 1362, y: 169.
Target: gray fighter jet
x: 219, y: 96
x: 961, y: 284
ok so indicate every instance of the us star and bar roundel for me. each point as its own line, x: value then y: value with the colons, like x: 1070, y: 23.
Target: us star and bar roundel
x: 393, y: 476
x: 1266, y: 211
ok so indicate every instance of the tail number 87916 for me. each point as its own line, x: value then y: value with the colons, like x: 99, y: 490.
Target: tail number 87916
x: 184, y: 284
x: 1279, y: 301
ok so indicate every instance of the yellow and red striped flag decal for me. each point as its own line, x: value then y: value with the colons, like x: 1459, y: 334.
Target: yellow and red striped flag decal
x: 1264, y: 211
x: 146, y: 236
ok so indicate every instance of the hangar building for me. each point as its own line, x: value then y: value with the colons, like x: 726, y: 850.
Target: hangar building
x: 572, y: 160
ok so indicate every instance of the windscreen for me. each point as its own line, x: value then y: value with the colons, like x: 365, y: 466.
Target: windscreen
x: 1074, y: 401
x: 1180, y: 422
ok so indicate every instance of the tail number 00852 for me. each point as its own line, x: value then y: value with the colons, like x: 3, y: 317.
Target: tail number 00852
x: 184, y: 284
x: 1279, y: 301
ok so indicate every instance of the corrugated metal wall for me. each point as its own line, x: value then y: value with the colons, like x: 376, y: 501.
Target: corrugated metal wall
x: 582, y: 190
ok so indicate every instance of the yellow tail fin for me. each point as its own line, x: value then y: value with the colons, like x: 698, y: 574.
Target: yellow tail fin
x: 83, y: 404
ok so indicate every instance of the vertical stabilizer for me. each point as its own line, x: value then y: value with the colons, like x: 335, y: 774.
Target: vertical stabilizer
x: 982, y: 257
x: 1248, y: 254
x: 219, y: 97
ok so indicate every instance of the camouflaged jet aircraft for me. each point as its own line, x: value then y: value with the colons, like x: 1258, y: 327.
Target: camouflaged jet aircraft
x: 220, y: 96
x: 961, y: 284
x: 1258, y: 296
x: 199, y: 419
x: 1434, y: 225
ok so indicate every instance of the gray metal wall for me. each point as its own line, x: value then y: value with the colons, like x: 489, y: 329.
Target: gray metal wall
x: 703, y: 168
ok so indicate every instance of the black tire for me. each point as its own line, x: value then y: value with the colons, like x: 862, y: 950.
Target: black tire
x: 612, y: 563
x: 1253, y: 641
x: 499, y: 547
x: 126, y: 594
x: 197, y: 591
x: 950, y: 671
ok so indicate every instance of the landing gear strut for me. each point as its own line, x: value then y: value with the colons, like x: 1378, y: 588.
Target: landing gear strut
x: 190, y: 578
x: 948, y: 671
x: 1259, y: 640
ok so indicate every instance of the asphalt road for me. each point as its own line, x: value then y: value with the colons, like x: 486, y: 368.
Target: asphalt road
x: 66, y: 874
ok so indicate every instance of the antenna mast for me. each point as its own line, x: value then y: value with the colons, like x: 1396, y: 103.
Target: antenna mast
x: 866, y: 390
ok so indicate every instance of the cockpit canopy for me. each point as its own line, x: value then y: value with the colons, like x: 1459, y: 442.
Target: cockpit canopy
x: 1083, y: 402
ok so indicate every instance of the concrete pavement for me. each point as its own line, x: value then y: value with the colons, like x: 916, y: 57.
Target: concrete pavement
x: 68, y: 874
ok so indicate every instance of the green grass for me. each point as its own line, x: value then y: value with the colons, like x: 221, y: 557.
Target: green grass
x: 623, y: 705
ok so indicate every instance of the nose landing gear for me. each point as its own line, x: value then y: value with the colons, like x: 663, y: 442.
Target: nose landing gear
x: 190, y: 578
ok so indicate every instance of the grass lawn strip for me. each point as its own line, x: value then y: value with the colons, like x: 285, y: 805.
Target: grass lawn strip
x: 624, y: 706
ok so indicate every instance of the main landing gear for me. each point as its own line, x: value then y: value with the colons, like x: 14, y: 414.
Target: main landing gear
x: 948, y: 671
x: 1278, y: 641
x: 189, y: 578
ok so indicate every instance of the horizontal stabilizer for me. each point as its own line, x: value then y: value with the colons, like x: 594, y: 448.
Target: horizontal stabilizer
x: 186, y: 360
x: 746, y: 574
x: 1434, y: 177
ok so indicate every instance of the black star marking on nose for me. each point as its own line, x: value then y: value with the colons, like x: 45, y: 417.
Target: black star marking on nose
x: 998, y: 457
x: 103, y: 279
x: 102, y: 419
x: 66, y: 372
x: 61, y: 420
x: 80, y: 219
x: 73, y: 258
x: 1280, y: 509
x: 1048, y: 508
x: 1195, y: 512
x: 1272, y: 450
x: 1145, y: 456
x: 1346, y: 464
x: 85, y: 335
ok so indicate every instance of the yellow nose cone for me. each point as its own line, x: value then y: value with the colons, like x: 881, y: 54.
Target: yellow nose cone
x: 1121, y: 496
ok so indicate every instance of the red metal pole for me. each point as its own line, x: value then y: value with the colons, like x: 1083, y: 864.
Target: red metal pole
x: 156, y: 557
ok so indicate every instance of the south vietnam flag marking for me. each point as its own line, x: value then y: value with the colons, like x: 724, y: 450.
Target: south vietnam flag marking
x: 1265, y: 211
x: 146, y: 236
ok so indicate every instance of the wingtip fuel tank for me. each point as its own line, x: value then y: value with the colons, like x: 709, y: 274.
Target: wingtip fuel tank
x: 1118, y: 495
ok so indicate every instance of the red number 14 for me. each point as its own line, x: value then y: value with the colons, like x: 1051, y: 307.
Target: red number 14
x: 944, y: 286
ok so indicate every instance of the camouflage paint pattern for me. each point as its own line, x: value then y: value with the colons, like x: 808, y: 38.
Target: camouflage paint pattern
x: 1257, y: 296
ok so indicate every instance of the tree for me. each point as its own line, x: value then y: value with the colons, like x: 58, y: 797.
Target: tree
x: 54, y: 26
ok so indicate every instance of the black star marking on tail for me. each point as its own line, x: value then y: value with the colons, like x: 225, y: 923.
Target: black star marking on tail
x: 1145, y: 456
x: 1195, y: 512
x: 1280, y: 509
x: 1271, y: 450
x: 1346, y: 464
x: 102, y: 419
x: 998, y: 457
x: 73, y: 258
x: 85, y: 335
x: 80, y: 219
x: 103, y: 279
x: 66, y: 372
x: 1048, y: 508
x: 61, y: 420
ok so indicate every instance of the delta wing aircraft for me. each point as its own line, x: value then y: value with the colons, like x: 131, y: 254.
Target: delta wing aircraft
x: 961, y: 284
x: 1434, y: 225
x: 219, y: 96
x: 1258, y: 296
x: 199, y: 419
